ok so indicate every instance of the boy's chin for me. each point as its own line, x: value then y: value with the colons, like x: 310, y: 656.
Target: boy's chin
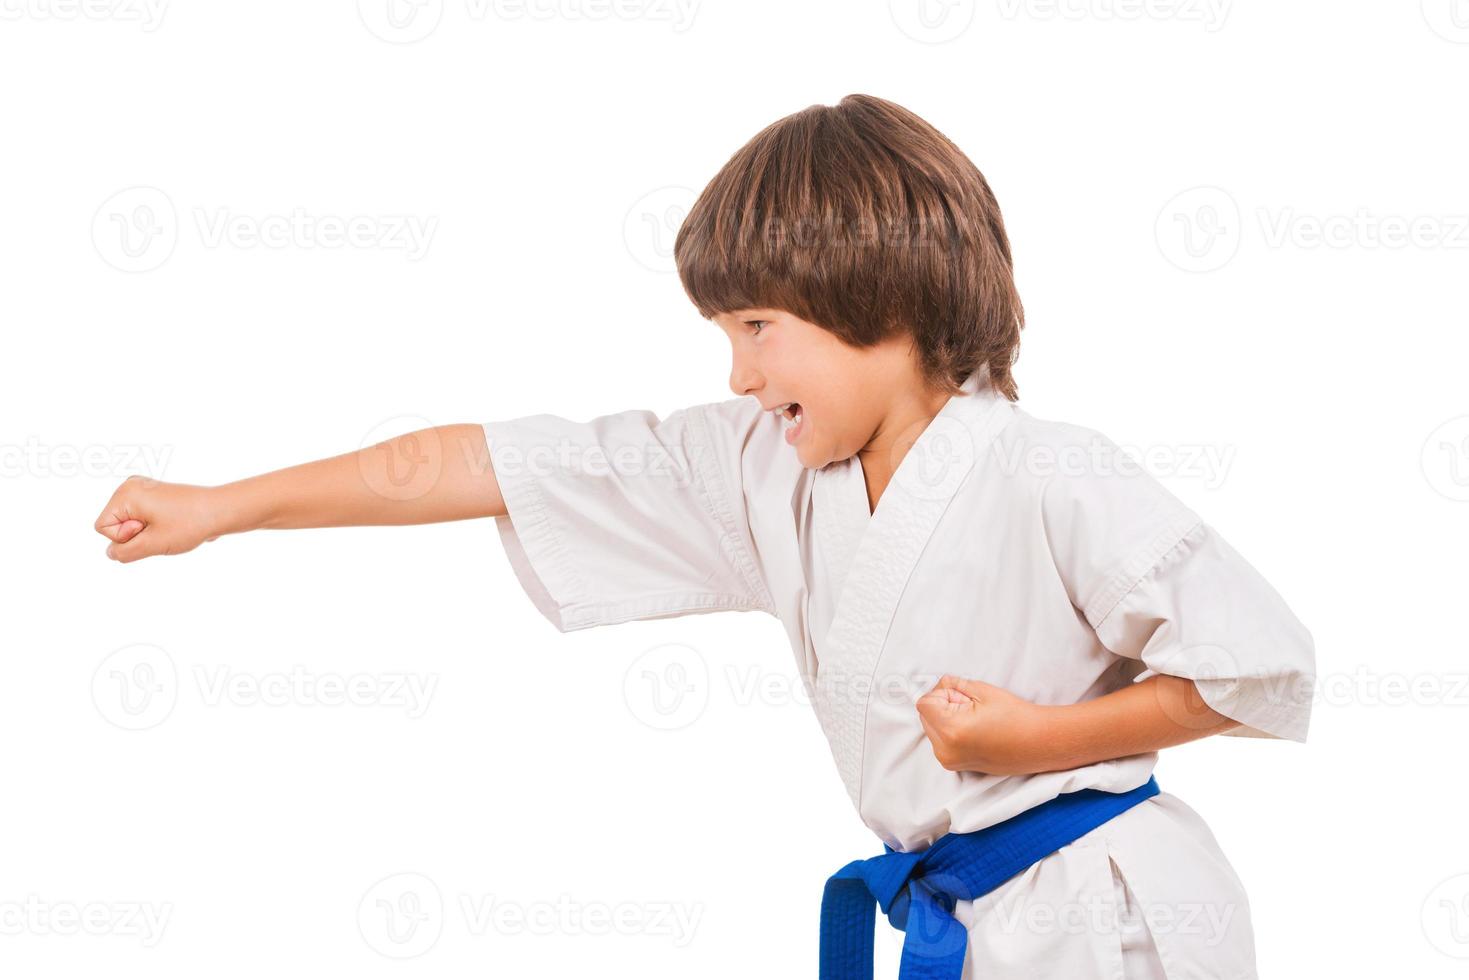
x: 813, y: 460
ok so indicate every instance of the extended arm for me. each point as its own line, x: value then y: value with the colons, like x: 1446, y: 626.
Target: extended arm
x: 975, y: 726
x: 423, y: 477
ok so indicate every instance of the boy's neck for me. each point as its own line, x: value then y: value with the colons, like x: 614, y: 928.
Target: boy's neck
x: 906, y: 419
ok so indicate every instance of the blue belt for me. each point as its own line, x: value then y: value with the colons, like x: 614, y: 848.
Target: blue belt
x: 917, y: 890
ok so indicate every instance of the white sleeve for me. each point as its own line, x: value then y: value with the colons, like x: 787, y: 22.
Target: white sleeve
x: 628, y: 517
x: 1205, y: 613
x: 1160, y: 586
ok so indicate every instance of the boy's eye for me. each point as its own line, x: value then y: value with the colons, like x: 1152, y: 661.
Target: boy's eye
x: 757, y: 324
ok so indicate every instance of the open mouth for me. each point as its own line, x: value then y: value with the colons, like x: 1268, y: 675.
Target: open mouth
x: 794, y: 419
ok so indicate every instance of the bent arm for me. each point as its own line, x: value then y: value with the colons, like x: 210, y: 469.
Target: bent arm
x: 978, y: 727
x: 422, y: 477
x: 1157, y: 713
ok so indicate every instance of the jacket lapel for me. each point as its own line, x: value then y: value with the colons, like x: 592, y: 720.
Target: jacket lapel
x: 920, y: 491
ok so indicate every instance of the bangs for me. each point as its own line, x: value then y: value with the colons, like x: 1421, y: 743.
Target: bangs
x: 862, y: 219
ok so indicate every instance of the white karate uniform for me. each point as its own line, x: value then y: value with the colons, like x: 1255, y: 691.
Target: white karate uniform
x: 1014, y: 550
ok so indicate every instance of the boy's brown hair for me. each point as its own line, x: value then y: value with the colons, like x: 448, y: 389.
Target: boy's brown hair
x: 863, y: 219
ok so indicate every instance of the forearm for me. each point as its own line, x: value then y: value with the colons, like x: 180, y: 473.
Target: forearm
x: 439, y: 474
x: 1154, y: 714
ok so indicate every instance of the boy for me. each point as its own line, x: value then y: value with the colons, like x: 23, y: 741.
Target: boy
x: 912, y: 528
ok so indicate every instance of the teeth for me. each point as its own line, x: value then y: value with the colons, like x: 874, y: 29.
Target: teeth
x: 780, y: 412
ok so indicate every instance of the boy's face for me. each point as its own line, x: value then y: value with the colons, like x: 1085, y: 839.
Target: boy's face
x: 845, y: 394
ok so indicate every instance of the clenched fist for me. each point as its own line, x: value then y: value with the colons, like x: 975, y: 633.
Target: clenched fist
x: 977, y: 727
x: 147, y: 517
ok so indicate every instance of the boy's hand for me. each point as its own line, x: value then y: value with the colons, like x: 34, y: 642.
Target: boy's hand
x: 977, y: 727
x: 147, y: 517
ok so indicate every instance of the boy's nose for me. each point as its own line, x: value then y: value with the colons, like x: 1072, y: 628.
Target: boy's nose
x: 743, y: 382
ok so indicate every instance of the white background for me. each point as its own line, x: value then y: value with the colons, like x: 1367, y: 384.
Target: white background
x: 552, y: 157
